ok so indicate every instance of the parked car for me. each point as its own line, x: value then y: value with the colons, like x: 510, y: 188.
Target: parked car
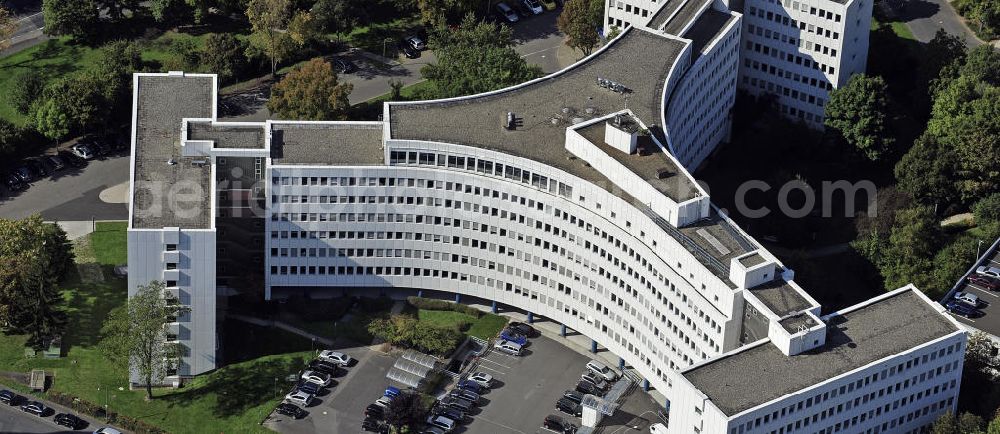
x: 13, y: 182
x: 557, y: 424
x: 24, y: 174
x: 989, y: 271
x: 522, y: 328
x: 457, y: 403
x: 107, y: 430
x: 511, y: 348
x: 469, y: 395
x: 602, y: 370
x: 481, y: 378
x: 317, y: 377
x: 290, y: 410
x: 383, y: 401
x: 300, y: 397
x: 432, y: 430
x: 962, y: 309
x: 55, y: 162
x: 83, y: 151
x: 451, y: 413
x: 507, y: 12
x: 325, y: 367
x: 309, y: 387
x: 407, y: 50
x: 533, y: 6
x: 587, y: 388
x: 36, y: 408
x: 443, y: 422
x: 513, y: 336
x: 985, y: 282
x: 374, y: 411
x: 344, y: 66
x: 72, y: 159
x: 391, y: 392
x: 336, y: 357
x: 569, y: 407
x: 37, y: 167
x: 594, y: 379
x: 470, y: 386
x: 69, y: 421
x: 10, y: 398
x: 417, y: 43
x: 969, y: 298
x: 573, y: 395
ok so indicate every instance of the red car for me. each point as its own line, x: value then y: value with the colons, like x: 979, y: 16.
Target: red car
x: 985, y: 282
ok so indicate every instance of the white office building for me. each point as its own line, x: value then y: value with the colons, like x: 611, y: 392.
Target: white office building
x: 568, y: 197
x: 795, y: 50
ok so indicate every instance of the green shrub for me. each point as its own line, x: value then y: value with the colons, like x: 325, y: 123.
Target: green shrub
x: 433, y: 304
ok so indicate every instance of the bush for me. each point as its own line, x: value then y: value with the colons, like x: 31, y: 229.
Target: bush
x: 987, y: 210
x: 94, y: 410
x: 26, y: 89
x: 432, y: 304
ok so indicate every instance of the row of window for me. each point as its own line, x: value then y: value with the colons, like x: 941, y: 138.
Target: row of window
x: 862, y: 383
x: 793, y: 23
x: 780, y: 90
x: 807, y: 8
x: 481, y: 166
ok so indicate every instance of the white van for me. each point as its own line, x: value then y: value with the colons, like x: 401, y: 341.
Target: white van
x: 508, y: 347
x: 602, y: 370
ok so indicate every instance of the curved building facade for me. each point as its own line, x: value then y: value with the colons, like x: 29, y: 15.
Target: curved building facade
x: 568, y: 196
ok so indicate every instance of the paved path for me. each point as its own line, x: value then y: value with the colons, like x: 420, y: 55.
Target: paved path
x: 281, y: 325
x: 30, y: 24
x: 925, y: 17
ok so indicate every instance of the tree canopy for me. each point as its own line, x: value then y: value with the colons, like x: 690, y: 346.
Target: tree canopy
x: 269, y: 19
x: 579, y: 21
x: 76, y: 18
x: 8, y: 25
x: 311, y: 92
x: 857, y: 113
x: 475, y: 57
x: 35, y: 256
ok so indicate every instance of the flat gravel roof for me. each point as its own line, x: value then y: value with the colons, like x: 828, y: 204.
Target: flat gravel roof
x: 758, y: 375
x: 327, y: 144
x: 780, y: 297
x: 167, y: 194
x: 228, y: 136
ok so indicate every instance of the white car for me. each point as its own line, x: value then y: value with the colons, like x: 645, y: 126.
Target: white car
x: 316, y: 377
x: 602, y: 370
x: 300, y: 397
x: 594, y: 379
x: 658, y: 428
x: 107, y: 430
x: 442, y: 422
x: 417, y: 43
x: 83, y: 151
x: 481, y: 378
x: 533, y: 5
x: 512, y: 348
x: 989, y: 271
x: 383, y: 401
x: 968, y: 298
x: 335, y: 357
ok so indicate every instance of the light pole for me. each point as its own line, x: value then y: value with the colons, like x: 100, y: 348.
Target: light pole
x: 979, y: 246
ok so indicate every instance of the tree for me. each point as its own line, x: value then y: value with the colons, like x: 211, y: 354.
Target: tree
x: 303, y: 28
x: 858, y: 114
x: 474, y: 58
x: 945, y: 424
x: 310, y: 92
x: 167, y: 11
x: 35, y: 256
x: 135, y: 335
x: 969, y: 423
x: 10, y: 138
x: 26, y: 87
x: 8, y: 25
x: 912, y: 243
x: 51, y: 120
x: 224, y: 54
x: 76, y: 18
x: 405, y: 410
x: 927, y: 172
x: 987, y: 209
x: 184, y: 55
x: 335, y: 16
x: 116, y: 8
x: 396, y: 89
x: 269, y: 20
x: 578, y: 22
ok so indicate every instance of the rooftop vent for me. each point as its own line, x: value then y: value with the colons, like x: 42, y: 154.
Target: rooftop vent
x: 199, y: 163
x: 664, y: 173
x: 567, y: 110
x: 171, y: 162
x: 555, y: 121
x: 590, y: 110
x: 577, y: 120
x: 613, y: 86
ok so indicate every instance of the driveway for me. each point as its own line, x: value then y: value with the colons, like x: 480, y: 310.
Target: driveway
x: 30, y: 24
x: 73, y: 194
x: 925, y: 17
x: 989, y: 321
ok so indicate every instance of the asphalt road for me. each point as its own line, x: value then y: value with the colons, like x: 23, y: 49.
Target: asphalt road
x: 72, y: 194
x: 13, y: 420
x: 925, y: 17
x: 30, y: 24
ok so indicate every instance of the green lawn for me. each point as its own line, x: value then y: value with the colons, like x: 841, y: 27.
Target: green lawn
x: 232, y: 399
x: 485, y: 327
x: 899, y: 28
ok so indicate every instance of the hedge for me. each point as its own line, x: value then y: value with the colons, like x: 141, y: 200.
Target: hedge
x: 433, y: 304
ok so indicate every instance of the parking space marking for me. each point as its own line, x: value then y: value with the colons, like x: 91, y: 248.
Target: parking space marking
x: 495, y: 363
x: 978, y: 289
x: 500, y: 425
x: 995, y: 262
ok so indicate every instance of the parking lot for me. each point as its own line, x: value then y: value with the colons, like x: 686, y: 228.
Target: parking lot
x: 989, y: 320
